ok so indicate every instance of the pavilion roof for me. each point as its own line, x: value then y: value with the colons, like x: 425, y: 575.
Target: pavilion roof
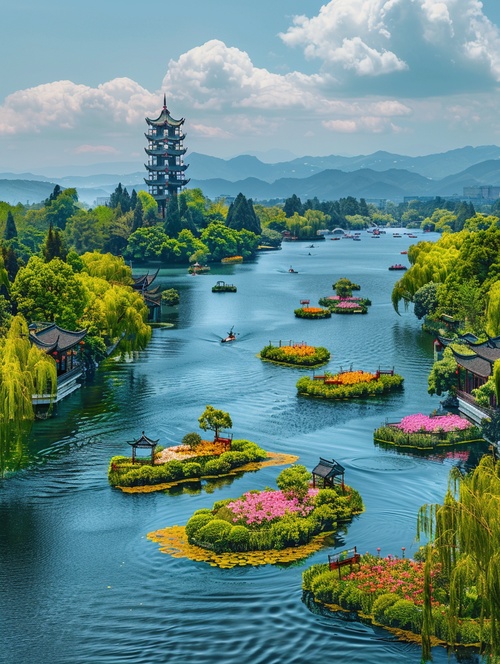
x: 55, y: 338
x: 165, y: 117
x: 144, y: 441
x: 473, y: 363
x: 144, y: 280
x: 328, y: 469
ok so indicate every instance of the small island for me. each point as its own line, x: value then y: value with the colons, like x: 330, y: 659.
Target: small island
x: 343, y: 302
x: 222, y: 287
x: 195, y: 459
x: 350, y: 384
x: 312, y: 312
x: 268, y: 526
x: 428, y: 432
x: 296, y: 354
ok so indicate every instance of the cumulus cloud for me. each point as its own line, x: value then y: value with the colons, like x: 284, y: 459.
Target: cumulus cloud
x: 63, y: 105
x: 215, y: 77
x: 421, y: 47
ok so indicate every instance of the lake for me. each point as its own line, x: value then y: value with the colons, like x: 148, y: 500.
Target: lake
x: 79, y: 580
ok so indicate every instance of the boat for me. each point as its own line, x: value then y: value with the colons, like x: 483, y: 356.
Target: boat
x: 292, y: 271
x: 411, y: 235
x: 396, y: 235
x: 398, y: 266
x: 404, y: 252
x: 231, y: 336
x: 356, y: 238
x: 334, y: 238
x: 311, y: 246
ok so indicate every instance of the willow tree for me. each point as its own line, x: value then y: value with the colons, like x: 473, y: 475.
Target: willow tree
x: 465, y: 534
x: 106, y: 266
x: 24, y: 370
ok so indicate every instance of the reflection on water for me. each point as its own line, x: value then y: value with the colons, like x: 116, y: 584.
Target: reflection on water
x: 80, y: 582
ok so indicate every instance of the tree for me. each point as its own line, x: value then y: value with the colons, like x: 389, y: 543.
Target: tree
x: 220, y: 240
x: 294, y: 481
x: 49, y: 292
x: 241, y: 216
x: 425, y: 300
x: 53, y: 245
x: 61, y: 208
x: 443, y: 375
x: 57, y: 191
x: 465, y: 534
x: 293, y: 205
x: 138, y: 216
x: 214, y: 420
x: 120, y: 198
x: 10, y: 227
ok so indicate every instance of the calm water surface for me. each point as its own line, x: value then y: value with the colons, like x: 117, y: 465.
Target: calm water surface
x: 79, y: 580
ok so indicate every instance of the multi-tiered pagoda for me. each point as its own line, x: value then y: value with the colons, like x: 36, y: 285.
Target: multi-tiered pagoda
x: 165, y: 151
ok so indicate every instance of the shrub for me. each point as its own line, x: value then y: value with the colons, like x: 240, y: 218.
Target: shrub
x: 238, y: 539
x: 381, y: 604
x: 192, y: 440
x: 322, y: 587
x: 405, y: 615
x: 195, y: 523
x: 192, y: 470
x: 216, y: 467
x: 213, y: 535
x: 234, y: 459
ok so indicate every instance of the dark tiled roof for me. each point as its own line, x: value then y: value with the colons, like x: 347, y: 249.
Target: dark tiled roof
x: 473, y: 363
x: 144, y: 441
x: 328, y: 469
x: 55, y: 338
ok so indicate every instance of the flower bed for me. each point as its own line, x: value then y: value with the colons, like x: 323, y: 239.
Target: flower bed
x: 389, y: 591
x: 345, y: 305
x: 178, y: 464
x: 269, y: 520
x: 296, y: 355
x: 349, y: 385
x: 423, y: 431
x: 232, y: 259
x: 312, y: 312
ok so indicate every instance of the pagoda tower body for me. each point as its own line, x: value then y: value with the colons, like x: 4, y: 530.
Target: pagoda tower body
x: 165, y: 152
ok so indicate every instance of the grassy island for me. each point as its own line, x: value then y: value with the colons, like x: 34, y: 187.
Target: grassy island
x: 345, y: 305
x: 428, y: 432
x: 312, y: 312
x: 296, y: 354
x: 264, y: 526
x: 349, y: 384
x: 390, y: 592
x: 177, y: 464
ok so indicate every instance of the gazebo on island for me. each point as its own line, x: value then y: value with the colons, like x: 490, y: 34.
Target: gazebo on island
x: 325, y: 473
x: 144, y: 443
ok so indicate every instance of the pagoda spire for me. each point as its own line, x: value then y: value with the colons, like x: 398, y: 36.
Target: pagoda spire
x: 165, y: 150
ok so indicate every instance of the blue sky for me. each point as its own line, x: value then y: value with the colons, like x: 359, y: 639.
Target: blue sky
x: 271, y: 76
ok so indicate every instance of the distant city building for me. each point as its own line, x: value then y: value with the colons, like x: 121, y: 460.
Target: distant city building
x: 165, y: 151
x: 486, y: 192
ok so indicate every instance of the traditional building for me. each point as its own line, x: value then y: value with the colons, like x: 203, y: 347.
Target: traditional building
x: 165, y: 151
x: 65, y: 347
x: 152, y: 296
x: 474, y: 370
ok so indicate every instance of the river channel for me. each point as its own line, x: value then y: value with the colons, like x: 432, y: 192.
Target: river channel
x: 79, y: 580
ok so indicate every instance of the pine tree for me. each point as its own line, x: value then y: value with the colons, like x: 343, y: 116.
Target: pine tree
x: 173, y: 221
x: 241, y: 216
x: 53, y: 245
x: 292, y: 205
x: 138, y: 218
x: 10, y: 227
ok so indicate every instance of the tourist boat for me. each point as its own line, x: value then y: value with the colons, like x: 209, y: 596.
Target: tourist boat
x: 398, y: 266
x: 334, y: 238
x: 231, y: 336
x: 411, y: 235
x: 396, y: 235
x: 356, y: 238
x: 404, y: 252
x: 292, y: 270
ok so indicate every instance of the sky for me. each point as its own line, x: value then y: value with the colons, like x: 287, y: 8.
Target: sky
x: 274, y: 78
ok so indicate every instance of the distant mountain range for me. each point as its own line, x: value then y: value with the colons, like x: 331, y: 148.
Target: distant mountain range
x: 379, y: 175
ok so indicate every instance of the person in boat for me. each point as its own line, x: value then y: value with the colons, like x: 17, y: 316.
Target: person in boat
x: 231, y: 336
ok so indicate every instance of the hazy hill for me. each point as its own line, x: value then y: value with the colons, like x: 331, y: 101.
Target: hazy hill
x: 379, y: 175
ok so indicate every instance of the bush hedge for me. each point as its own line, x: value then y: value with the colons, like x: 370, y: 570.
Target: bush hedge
x: 285, y: 355
x: 394, y: 436
x: 312, y: 312
x: 122, y: 472
x: 224, y: 530
x: 316, y: 388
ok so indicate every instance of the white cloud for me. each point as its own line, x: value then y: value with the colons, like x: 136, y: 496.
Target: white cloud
x: 63, y: 105
x: 424, y: 45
